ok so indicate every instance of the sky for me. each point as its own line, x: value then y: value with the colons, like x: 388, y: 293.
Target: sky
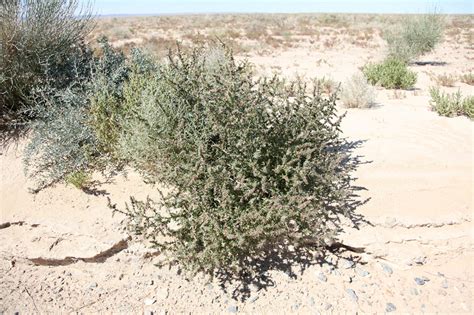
x: 151, y: 7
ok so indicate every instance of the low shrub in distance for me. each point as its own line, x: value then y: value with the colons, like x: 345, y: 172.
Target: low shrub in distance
x: 356, y: 92
x: 445, y: 79
x: 252, y: 164
x: 415, y: 36
x: 467, y: 78
x: 451, y: 105
x: 392, y: 73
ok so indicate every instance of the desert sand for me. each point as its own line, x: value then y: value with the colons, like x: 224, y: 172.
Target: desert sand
x: 416, y: 172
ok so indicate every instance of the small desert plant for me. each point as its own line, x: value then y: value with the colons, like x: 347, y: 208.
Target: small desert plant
x: 79, y: 179
x: 451, y: 104
x: 391, y: 73
x: 445, y: 79
x: 357, y: 92
x: 253, y: 165
x: 467, y: 78
x: 38, y: 39
x: 326, y: 85
x: 415, y: 36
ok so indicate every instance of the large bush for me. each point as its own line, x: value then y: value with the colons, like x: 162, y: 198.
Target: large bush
x: 40, y: 40
x: 392, y: 73
x: 415, y: 36
x: 251, y: 164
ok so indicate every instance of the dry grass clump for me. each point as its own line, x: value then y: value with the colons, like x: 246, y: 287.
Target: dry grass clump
x: 467, y: 78
x: 444, y: 79
x: 356, y: 92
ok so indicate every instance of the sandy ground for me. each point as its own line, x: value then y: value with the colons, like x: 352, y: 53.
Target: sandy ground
x: 417, y: 172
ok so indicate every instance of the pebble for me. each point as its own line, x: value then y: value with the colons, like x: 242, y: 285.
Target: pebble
x: 386, y: 268
x: 253, y: 299
x: 444, y: 284
x: 232, y: 309
x: 347, y: 264
x: 322, y: 277
x: 93, y: 285
x: 414, y: 291
x: 420, y: 260
x: 390, y: 308
x: 327, y: 306
x: 312, y: 302
x: 419, y: 281
x: 362, y: 272
x: 295, y: 307
x: 352, y: 295
x: 149, y: 301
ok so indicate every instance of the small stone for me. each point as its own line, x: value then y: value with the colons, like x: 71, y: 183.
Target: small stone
x: 322, y: 277
x: 149, y: 301
x: 362, y: 272
x: 253, y: 299
x: 420, y: 260
x: 93, y: 285
x: 352, y: 295
x: 151, y: 282
x: 419, y: 281
x: 327, y: 306
x: 386, y: 268
x: 347, y: 264
x: 295, y: 307
x: 444, y: 284
x: 390, y: 308
x: 312, y: 302
x: 232, y: 309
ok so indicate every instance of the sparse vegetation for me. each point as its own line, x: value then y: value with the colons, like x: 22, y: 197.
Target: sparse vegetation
x: 467, y: 78
x: 445, y: 79
x: 357, y: 93
x: 80, y: 179
x: 415, y: 36
x: 451, y: 105
x: 391, y: 73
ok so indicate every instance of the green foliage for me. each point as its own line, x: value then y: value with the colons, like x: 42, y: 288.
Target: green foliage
x: 391, y: 73
x: 251, y: 164
x: 415, y: 36
x: 451, y: 105
x: 79, y: 179
x: 40, y: 44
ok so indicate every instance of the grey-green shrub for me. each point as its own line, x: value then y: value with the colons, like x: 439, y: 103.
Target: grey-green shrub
x: 61, y: 141
x: 253, y: 165
x: 391, y: 73
x: 40, y: 40
x: 357, y: 93
x: 451, y: 105
x: 67, y: 137
x: 415, y: 36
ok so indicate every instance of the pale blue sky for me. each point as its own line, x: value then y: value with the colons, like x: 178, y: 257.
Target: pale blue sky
x: 107, y: 7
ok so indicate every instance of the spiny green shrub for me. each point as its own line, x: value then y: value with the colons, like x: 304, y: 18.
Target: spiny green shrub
x: 251, y: 164
x: 392, y: 73
x: 451, y: 104
x: 357, y: 93
x: 40, y: 41
x: 415, y: 36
